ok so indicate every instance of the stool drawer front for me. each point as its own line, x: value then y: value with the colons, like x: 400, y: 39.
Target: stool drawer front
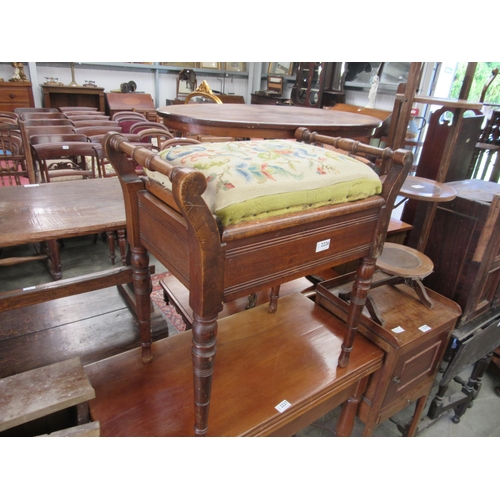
x: 257, y: 262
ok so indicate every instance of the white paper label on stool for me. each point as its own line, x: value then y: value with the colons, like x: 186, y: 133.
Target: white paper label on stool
x: 284, y: 405
x: 322, y: 245
x: 398, y: 329
x: 65, y: 147
x: 425, y: 328
x: 31, y: 185
x: 29, y: 288
x: 417, y: 186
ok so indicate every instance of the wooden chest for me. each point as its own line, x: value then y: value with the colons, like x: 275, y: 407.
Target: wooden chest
x: 16, y: 95
x: 413, y: 337
x: 464, y: 245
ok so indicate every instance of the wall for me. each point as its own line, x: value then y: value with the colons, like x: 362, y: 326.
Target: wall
x: 162, y: 84
x: 159, y: 83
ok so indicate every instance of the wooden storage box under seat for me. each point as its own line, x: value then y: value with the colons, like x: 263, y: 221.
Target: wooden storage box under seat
x: 414, y: 339
x: 263, y: 360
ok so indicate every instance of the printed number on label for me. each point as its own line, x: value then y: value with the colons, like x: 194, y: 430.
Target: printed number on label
x: 322, y: 245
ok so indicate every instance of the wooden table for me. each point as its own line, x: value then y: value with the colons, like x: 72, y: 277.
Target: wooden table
x: 261, y: 121
x: 55, y: 96
x: 48, y: 212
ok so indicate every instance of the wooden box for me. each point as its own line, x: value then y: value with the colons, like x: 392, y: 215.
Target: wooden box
x: 413, y: 337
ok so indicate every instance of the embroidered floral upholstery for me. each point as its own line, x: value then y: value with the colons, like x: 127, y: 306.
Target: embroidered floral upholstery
x: 250, y: 180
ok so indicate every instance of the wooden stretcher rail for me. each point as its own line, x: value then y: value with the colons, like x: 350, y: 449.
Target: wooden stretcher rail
x: 64, y: 288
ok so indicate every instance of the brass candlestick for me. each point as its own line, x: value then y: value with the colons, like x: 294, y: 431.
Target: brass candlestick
x: 73, y: 83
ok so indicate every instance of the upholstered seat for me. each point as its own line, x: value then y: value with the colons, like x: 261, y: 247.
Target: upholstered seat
x: 252, y: 180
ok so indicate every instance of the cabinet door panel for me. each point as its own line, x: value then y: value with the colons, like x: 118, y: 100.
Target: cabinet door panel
x: 414, y: 367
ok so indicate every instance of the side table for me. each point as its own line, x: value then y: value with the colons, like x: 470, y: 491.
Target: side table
x: 413, y: 337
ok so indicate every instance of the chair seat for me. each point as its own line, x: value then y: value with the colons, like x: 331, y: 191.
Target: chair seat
x: 253, y: 180
x: 400, y: 260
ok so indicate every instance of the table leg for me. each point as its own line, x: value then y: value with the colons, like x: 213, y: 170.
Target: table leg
x: 349, y: 410
x: 122, y: 244
x: 111, y: 244
x: 54, y: 261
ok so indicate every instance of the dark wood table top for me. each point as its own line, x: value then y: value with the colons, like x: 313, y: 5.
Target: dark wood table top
x: 420, y: 188
x: 65, y: 209
x: 261, y: 121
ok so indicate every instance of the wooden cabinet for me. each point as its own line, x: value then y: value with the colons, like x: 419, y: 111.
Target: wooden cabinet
x: 16, y: 95
x: 413, y: 337
x: 318, y: 84
x: 55, y: 96
x: 464, y: 244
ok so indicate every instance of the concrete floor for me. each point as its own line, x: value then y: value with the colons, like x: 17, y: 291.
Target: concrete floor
x: 83, y: 255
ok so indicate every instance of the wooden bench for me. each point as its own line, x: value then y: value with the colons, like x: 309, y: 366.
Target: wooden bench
x: 37, y: 393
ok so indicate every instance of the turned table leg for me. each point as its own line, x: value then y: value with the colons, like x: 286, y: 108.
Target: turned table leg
x: 349, y: 409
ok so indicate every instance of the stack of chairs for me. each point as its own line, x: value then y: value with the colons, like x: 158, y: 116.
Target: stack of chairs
x: 13, y: 165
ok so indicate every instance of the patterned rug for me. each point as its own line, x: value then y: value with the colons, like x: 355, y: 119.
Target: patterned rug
x: 158, y: 299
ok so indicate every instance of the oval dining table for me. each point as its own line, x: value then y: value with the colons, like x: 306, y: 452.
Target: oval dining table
x: 262, y: 121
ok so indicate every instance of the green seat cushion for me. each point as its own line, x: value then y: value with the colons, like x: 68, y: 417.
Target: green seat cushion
x: 251, y: 180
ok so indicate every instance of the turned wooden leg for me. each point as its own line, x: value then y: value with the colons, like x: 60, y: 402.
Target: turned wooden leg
x: 273, y: 302
x: 349, y: 409
x: 203, y: 354
x: 360, y: 290
x: 122, y: 245
x: 141, y: 280
x: 111, y: 245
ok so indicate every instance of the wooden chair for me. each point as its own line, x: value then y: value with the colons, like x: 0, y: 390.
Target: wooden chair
x: 13, y: 166
x: 218, y: 262
x: 20, y: 111
x: 156, y: 137
x: 93, y: 117
x: 94, y: 123
x: 137, y: 127
x: 28, y: 131
x: 5, y: 119
x: 10, y: 115
x: 64, y: 159
x: 42, y: 116
x: 56, y: 122
x: 69, y: 114
x: 127, y: 119
x: 63, y: 109
x: 382, y: 132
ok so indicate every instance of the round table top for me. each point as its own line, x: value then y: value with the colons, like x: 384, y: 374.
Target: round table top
x: 404, y: 261
x: 254, y: 120
x: 419, y: 188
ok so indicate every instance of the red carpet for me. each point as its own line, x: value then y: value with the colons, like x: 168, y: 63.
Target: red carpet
x: 167, y: 310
